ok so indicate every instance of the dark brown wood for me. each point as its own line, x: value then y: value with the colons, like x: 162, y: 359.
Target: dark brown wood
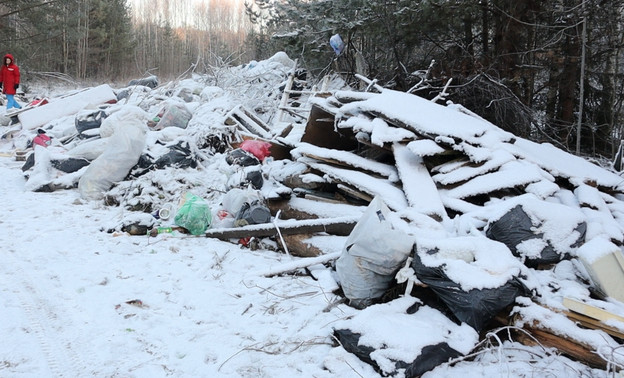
x: 287, y: 211
x: 588, y: 322
x: 336, y: 226
x: 569, y: 347
x: 298, y: 245
x: 320, y: 131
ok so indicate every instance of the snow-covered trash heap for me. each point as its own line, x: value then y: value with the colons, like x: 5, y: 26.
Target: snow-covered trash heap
x: 450, y: 229
x: 496, y: 219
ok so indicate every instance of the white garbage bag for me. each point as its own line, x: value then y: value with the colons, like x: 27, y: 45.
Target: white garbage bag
x: 123, y: 151
x: 372, y: 255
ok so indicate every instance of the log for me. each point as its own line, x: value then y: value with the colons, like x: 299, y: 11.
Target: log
x: 337, y: 226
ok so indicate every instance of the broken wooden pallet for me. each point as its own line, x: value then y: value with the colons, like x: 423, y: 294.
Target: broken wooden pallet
x: 248, y: 121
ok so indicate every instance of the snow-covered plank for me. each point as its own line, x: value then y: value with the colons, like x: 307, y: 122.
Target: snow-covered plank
x: 467, y: 172
x: 58, y: 108
x: 510, y: 175
x: 425, y: 147
x: 450, y: 166
x: 380, y: 132
x: 340, y: 225
x: 420, y: 190
x: 542, y: 189
x: 427, y: 118
x: 589, y: 196
x: 346, y: 158
x: 393, y: 196
x: 248, y: 121
x: 563, y: 164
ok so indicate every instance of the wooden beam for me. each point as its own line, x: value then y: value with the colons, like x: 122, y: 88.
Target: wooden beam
x: 336, y: 226
x: 568, y: 347
x: 591, y: 311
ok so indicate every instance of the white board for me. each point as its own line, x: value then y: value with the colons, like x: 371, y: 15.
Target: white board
x: 39, y: 116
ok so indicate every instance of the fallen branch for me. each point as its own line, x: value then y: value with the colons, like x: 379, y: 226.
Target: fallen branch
x: 295, y: 265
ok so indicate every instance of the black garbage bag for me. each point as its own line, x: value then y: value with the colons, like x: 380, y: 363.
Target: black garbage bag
x: 29, y: 163
x: 179, y: 155
x: 241, y: 157
x: 255, y: 179
x: 89, y: 120
x: 516, y: 227
x: 150, y: 81
x: 430, y: 357
x: 70, y: 165
x: 125, y: 93
x: 252, y: 213
x: 391, y: 339
x: 475, y: 307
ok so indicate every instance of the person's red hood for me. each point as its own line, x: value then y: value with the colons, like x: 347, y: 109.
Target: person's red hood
x: 8, y: 56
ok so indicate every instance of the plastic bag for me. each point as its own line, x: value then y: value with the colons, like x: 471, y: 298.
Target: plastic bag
x: 336, y: 44
x: 174, y: 115
x: 522, y: 223
x: 122, y: 152
x: 252, y: 213
x: 257, y: 148
x: 373, y: 253
x: 241, y: 157
x: 194, y: 214
x: 89, y: 119
x: 475, y: 307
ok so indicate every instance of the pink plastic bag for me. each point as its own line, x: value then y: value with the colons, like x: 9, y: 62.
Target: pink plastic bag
x: 257, y: 148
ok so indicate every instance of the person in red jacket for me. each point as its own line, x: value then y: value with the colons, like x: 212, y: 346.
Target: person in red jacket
x: 9, y: 80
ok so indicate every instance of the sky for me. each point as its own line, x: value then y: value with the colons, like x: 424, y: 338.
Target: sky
x: 81, y: 297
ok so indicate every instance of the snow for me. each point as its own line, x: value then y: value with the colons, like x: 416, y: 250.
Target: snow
x: 80, y: 297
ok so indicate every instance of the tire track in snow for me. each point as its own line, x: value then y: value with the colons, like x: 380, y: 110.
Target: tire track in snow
x: 63, y: 355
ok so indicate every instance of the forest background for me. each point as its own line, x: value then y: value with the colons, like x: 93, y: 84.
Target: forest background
x: 548, y: 71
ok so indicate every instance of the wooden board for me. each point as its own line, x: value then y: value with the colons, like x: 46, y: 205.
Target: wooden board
x: 320, y: 131
x: 420, y: 190
x: 592, y: 323
x: 337, y: 226
x: 568, y: 347
x: 590, y: 311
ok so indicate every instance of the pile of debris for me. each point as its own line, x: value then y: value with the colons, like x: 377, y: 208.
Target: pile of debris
x: 439, y: 217
x: 479, y: 223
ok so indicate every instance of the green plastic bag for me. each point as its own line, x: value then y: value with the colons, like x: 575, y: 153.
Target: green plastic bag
x: 194, y: 214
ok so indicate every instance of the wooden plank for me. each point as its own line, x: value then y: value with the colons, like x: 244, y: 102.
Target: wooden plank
x: 590, y: 311
x: 354, y: 193
x: 371, y: 186
x: 242, y: 117
x: 320, y: 131
x: 298, y: 264
x: 592, y: 323
x: 337, y: 226
x: 568, y: 347
x: 388, y: 173
x: 420, y: 190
